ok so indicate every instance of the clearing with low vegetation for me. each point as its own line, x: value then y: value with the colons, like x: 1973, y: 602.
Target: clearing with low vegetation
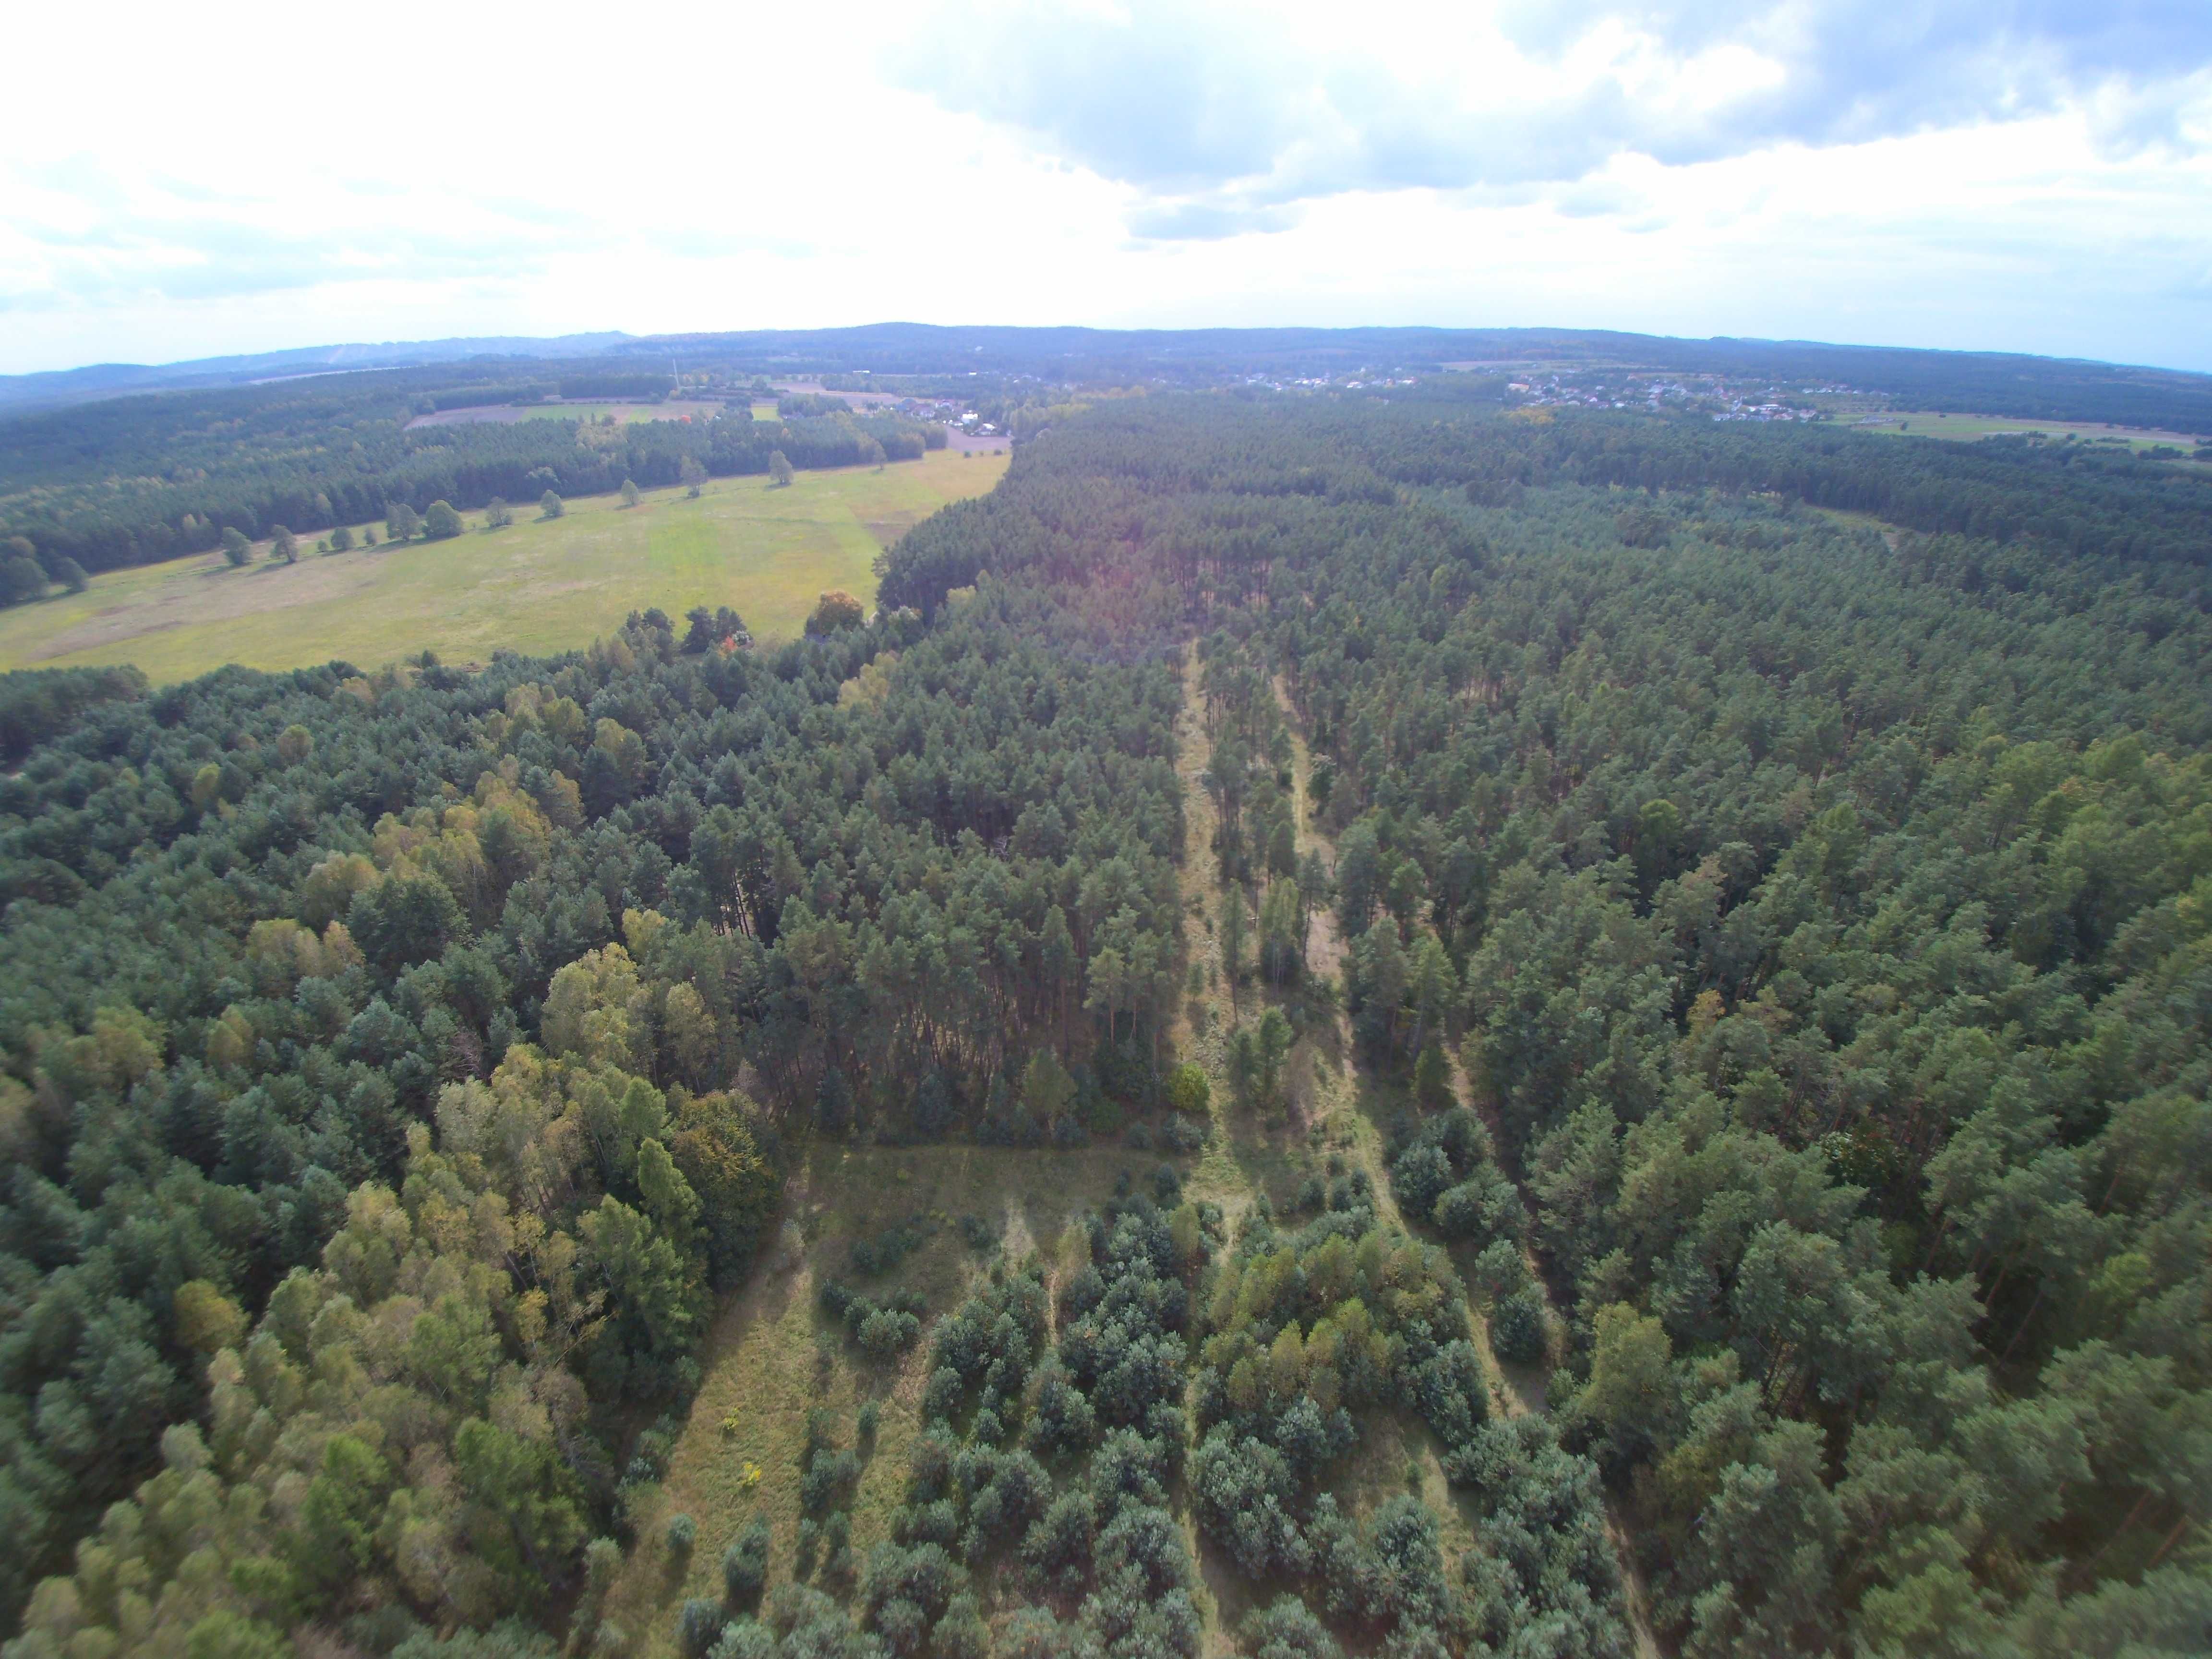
x: 536, y: 585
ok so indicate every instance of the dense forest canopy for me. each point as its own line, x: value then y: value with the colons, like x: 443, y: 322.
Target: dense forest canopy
x: 1817, y: 905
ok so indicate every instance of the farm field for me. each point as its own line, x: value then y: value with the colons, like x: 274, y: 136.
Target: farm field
x: 673, y: 410
x: 1968, y: 427
x: 535, y: 587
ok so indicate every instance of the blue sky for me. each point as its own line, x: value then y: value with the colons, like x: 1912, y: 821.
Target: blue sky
x: 2019, y: 174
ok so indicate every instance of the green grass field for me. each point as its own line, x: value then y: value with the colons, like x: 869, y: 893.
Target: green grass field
x: 673, y: 410
x: 1966, y: 427
x: 532, y: 587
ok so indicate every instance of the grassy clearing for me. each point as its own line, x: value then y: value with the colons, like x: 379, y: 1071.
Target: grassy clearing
x: 535, y: 587
x: 774, y: 1356
x: 673, y: 409
x: 1923, y: 423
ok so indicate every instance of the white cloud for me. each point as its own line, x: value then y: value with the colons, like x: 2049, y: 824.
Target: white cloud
x: 2014, y: 173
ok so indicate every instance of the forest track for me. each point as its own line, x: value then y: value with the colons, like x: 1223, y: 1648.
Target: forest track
x: 1325, y: 956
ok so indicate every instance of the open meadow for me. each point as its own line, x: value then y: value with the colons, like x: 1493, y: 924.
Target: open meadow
x: 1923, y: 423
x: 674, y: 409
x: 535, y: 587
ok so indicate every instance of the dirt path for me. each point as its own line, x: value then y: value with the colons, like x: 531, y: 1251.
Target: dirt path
x: 1520, y: 1390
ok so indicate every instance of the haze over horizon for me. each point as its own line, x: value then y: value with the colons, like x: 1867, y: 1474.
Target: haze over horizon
x: 2032, y: 178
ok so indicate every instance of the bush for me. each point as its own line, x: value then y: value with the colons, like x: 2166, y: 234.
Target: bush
x: 888, y: 1331
x: 829, y: 1476
x: 1286, y: 1630
x: 1183, y: 1134
x: 1516, y: 1328
x: 885, y: 1250
x: 746, y: 1638
x: 834, y: 611
x: 1188, y: 1091
x: 1419, y: 1178
x: 699, y: 1626
x: 961, y: 1633
x: 744, y: 1565
x: 979, y: 1234
x: 683, y: 1534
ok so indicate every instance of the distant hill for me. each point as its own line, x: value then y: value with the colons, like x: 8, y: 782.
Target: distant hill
x: 58, y: 388
x: 1964, y: 382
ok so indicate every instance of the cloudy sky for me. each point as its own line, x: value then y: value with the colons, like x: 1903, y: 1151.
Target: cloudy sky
x: 2019, y: 174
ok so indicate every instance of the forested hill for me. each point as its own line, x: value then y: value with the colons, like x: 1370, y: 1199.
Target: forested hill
x: 1815, y: 916
x: 1972, y: 382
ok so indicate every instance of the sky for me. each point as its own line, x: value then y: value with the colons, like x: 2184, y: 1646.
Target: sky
x: 2029, y: 175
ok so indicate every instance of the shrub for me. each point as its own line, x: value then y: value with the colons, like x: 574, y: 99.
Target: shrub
x: 887, y: 1331
x: 1183, y: 1134
x: 1287, y: 1630
x: 1419, y: 1178
x: 744, y: 1564
x: 979, y: 1234
x: 1188, y: 1091
x: 834, y: 611
x: 699, y: 1626
x: 1516, y: 1328
x: 683, y: 1534
x: 746, y: 1638
x: 829, y: 1476
x: 961, y: 1633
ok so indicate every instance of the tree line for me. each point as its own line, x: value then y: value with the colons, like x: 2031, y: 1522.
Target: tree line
x: 132, y: 481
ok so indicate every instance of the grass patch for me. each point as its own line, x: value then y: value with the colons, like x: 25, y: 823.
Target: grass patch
x: 1924, y: 423
x: 533, y: 587
x: 775, y: 1355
